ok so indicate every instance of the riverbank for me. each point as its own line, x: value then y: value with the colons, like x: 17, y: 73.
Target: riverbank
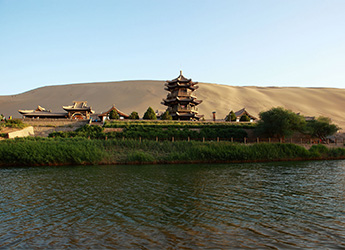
x: 77, y: 151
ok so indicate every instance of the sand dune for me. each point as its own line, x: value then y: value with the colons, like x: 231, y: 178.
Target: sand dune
x: 137, y: 96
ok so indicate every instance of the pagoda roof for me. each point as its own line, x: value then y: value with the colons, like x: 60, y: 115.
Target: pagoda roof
x: 27, y: 111
x: 46, y: 114
x: 78, y: 105
x: 180, y: 78
x: 117, y: 110
x: 179, y: 99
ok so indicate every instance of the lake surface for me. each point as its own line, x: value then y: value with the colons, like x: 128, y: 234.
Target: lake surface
x: 266, y: 205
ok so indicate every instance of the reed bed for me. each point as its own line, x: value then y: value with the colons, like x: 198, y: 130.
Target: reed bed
x: 65, y: 151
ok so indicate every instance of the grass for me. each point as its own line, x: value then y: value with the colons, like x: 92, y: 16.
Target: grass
x: 57, y: 151
x: 176, y: 124
x: 162, y: 132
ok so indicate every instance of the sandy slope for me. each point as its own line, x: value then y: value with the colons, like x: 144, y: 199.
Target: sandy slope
x: 138, y: 95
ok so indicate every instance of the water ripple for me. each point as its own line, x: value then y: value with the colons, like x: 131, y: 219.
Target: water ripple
x: 271, y: 206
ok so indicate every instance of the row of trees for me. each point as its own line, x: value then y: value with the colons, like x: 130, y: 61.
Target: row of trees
x: 279, y: 122
x: 149, y: 115
x: 231, y: 117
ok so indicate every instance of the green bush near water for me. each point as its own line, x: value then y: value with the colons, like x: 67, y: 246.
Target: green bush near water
x: 54, y: 151
x: 41, y: 151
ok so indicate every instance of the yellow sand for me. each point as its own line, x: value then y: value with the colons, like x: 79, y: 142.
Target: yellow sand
x: 137, y: 96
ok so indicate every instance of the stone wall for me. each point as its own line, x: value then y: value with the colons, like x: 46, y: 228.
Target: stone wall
x: 43, y: 127
x: 28, y: 131
x: 55, y: 122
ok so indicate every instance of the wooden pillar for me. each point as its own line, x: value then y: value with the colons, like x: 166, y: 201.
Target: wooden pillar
x: 203, y: 139
x: 156, y: 138
x: 139, y: 138
x: 172, y: 139
x: 245, y: 140
x: 301, y: 141
x: 188, y: 139
x: 257, y: 140
x: 217, y: 139
x: 106, y: 138
x: 232, y: 139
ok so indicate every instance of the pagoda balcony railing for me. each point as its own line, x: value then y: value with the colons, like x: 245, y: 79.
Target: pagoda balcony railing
x: 180, y: 94
x: 180, y: 108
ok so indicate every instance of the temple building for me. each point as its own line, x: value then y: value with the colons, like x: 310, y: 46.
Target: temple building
x: 42, y: 113
x: 105, y: 115
x: 79, y: 110
x: 180, y: 100
x: 243, y: 112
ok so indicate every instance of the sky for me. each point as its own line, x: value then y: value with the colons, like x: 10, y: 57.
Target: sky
x: 234, y: 42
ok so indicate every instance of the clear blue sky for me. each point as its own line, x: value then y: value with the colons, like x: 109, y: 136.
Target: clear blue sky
x: 235, y: 42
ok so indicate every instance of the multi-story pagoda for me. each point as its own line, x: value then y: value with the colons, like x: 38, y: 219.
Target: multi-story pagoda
x: 180, y: 101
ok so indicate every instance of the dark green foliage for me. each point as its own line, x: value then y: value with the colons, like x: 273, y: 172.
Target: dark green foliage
x: 150, y: 114
x: 244, y: 118
x: 318, y: 150
x: 231, y: 117
x: 337, y: 152
x: 113, y: 114
x: 166, y: 116
x: 321, y: 128
x: 134, y: 116
x: 46, y: 151
x: 279, y: 122
x: 140, y: 156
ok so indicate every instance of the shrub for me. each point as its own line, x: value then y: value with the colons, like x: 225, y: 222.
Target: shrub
x: 231, y: 117
x: 134, y: 115
x: 245, y: 118
x: 113, y: 114
x: 150, y: 114
x: 166, y: 116
x: 279, y: 122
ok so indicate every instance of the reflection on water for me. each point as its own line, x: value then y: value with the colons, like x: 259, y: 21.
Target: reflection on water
x: 268, y: 205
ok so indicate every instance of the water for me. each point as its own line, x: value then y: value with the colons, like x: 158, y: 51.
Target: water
x: 268, y: 205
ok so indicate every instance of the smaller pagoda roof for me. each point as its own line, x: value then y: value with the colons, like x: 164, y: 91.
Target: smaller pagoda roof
x: 78, y: 105
x: 28, y: 111
x: 180, y: 78
x: 117, y: 110
x: 243, y: 111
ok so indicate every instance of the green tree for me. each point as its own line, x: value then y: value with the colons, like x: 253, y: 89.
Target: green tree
x: 150, y: 114
x: 245, y: 118
x: 113, y: 114
x: 279, y: 122
x: 231, y: 117
x: 134, y: 115
x: 321, y: 128
x: 166, y: 116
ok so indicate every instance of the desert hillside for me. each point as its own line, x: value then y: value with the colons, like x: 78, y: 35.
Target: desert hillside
x: 137, y: 96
